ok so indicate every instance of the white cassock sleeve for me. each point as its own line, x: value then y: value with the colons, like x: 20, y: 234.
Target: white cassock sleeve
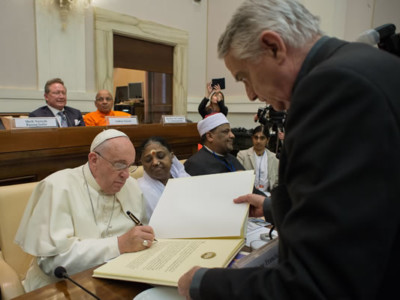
x: 58, y: 226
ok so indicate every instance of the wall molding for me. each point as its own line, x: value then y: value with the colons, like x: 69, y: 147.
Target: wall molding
x: 107, y: 23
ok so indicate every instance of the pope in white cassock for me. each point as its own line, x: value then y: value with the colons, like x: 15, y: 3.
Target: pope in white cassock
x: 76, y: 218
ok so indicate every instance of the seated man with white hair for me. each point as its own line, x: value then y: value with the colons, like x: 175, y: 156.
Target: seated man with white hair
x: 217, y: 140
x: 76, y: 218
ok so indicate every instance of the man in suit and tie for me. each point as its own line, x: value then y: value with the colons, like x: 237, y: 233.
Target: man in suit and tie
x: 55, y: 94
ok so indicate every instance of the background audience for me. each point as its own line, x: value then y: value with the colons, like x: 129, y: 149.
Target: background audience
x: 104, y: 103
x: 159, y: 165
x: 261, y: 160
x: 55, y: 94
x: 217, y: 101
x: 214, y: 156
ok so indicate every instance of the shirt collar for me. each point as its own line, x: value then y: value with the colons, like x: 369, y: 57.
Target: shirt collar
x: 55, y: 111
x: 213, y: 151
x: 90, y: 179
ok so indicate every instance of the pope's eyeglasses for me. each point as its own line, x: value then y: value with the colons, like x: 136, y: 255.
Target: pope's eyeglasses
x: 119, y: 166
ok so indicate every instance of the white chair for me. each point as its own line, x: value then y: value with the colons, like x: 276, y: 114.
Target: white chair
x: 14, y: 263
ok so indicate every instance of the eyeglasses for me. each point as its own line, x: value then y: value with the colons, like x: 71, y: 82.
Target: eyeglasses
x: 119, y: 166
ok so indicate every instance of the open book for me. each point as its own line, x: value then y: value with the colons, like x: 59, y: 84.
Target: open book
x: 196, y: 223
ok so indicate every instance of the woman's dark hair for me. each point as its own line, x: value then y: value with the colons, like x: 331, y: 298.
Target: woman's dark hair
x: 208, y: 108
x: 260, y: 128
x: 155, y: 139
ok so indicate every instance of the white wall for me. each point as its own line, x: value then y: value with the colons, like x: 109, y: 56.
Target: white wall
x: 21, y: 86
x: 181, y: 14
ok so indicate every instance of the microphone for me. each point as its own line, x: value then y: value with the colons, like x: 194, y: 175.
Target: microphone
x: 61, y: 272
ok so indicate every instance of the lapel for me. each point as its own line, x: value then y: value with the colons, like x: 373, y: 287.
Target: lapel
x: 251, y: 154
x: 47, y: 112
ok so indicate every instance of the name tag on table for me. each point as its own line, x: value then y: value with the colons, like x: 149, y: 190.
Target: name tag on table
x: 173, y: 119
x: 34, y: 122
x: 132, y: 120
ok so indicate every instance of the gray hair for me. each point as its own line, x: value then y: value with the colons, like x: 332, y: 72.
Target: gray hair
x: 52, y: 81
x: 290, y: 19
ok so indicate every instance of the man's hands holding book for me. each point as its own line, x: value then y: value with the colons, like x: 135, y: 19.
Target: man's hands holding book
x: 256, y: 204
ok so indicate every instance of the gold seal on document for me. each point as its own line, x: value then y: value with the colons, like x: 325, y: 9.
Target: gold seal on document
x: 208, y: 255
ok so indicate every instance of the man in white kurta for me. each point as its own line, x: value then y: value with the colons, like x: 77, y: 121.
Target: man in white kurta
x: 76, y: 218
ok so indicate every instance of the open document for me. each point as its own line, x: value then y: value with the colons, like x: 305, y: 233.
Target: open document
x: 196, y: 223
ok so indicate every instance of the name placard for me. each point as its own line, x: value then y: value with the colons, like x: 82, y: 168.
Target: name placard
x: 35, y: 122
x: 173, y: 119
x: 132, y: 120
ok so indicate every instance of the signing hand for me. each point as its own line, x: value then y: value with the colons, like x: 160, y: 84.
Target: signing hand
x: 136, y: 239
x: 185, y: 281
x: 256, y: 204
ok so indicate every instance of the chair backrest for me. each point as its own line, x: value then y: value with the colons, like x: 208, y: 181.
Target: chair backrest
x: 138, y: 172
x: 13, y: 199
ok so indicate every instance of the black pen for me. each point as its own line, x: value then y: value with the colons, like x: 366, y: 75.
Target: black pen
x: 135, y: 220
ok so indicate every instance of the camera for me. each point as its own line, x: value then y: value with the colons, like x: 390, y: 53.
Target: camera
x: 273, y: 122
x: 389, y: 40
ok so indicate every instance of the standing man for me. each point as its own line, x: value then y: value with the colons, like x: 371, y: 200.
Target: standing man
x: 104, y: 103
x: 262, y: 161
x: 55, y: 94
x: 217, y: 140
x: 337, y: 205
x: 76, y: 218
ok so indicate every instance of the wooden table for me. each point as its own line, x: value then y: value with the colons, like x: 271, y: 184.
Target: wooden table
x: 102, y: 288
x: 28, y: 155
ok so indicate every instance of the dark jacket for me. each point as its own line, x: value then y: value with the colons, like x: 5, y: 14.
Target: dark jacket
x: 337, y: 206
x: 204, y: 162
x: 74, y: 116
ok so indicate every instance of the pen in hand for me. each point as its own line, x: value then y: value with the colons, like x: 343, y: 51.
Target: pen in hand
x: 135, y: 220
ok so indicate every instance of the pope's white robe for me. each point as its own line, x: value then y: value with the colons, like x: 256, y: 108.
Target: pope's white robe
x: 60, y: 229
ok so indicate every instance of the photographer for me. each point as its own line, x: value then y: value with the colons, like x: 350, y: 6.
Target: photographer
x: 217, y: 101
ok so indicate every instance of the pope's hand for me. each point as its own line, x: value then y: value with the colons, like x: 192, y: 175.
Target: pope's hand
x: 136, y: 239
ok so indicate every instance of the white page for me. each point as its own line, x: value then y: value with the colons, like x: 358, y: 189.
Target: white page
x: 202, y: 206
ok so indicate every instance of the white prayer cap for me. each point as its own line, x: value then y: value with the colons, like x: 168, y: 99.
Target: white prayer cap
x: 104, y: 136
x: 210, y: 122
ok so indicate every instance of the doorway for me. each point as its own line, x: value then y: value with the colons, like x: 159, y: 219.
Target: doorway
x: 150, y: 65
x: 108, y: 23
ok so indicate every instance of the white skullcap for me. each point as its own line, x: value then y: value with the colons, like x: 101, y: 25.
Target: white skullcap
x: 210, y: 122
x: 104, y: 136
